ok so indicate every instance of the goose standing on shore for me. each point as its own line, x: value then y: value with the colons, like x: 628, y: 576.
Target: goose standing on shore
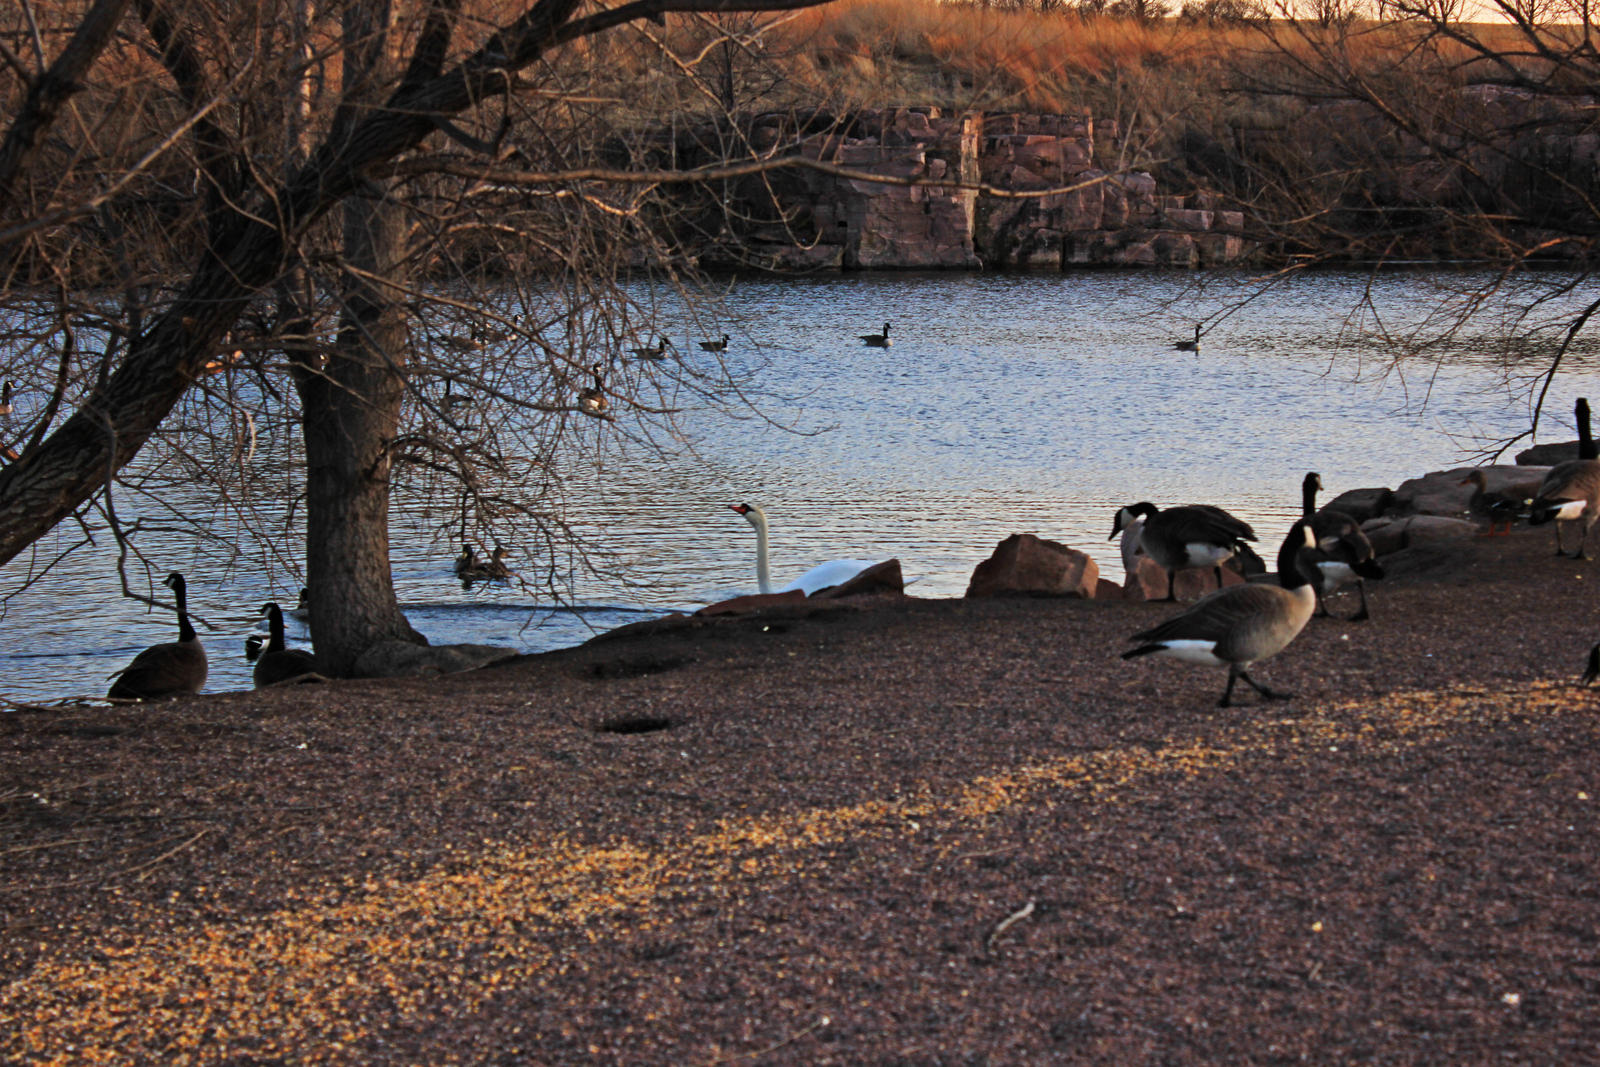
x: 1191, y: 537
x: 1343, y: 553
x: 166, y: 670
x: 1239, y: 626
x: 1571, y: 491
x: 877, y: 340
x: 822, y: 576
x: 278, y: 662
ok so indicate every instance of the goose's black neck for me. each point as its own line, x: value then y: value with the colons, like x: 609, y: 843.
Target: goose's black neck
x: 180, y: 593
x: 274, y: 628
x: 1308, y: 495
x: 1586, y: 445
x: 1289, y: 575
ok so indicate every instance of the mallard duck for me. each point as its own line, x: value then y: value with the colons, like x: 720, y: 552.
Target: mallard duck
x: 1493, y: 508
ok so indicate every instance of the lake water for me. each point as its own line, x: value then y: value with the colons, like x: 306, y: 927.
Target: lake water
x: 1007, y: 404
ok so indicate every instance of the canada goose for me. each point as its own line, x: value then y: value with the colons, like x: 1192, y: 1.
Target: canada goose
x: 466, y: 561
x: 716, y: 346
x: 1187, y: 538
x: 658, y: 352
x: 1189, y: 346
x: 1494, y: 508
x: 1343, y: 553
x: 1243, y: 624
x: 593, y: 401
x: 822, y: 576
x: 168, y: 669
x: 493, y: 569
x: 302, y: 607
x: 279, y: 663
x: 5, y: 399
x: 1571, y: 491
x: 877, y: 340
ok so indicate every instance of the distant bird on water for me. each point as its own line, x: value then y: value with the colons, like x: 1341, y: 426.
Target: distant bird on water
x: 1189, y: 346
x: 593, y: 401
x: 5, y: 399
x: 716, y: 346
x: 877, y: 340
x: 658, y: 352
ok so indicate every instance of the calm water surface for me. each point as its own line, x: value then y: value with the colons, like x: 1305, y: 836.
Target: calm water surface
x: 1007, y: 404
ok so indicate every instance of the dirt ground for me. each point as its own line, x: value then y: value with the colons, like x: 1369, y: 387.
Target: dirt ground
x: 885, y: 831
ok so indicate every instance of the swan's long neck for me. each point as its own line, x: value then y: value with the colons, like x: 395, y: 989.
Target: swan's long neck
x: 763, y: 574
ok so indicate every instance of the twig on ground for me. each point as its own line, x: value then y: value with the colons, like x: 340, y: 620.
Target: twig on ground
x: 1006, y: 923
x: 796, y: 1036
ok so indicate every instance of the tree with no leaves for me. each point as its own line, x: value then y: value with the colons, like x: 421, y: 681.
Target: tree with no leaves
x: 264, y: 191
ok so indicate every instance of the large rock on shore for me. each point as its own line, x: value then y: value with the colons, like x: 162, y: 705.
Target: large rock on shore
x: 1027, y: 565
x: 882, y: 577
x: 1390, y: 535
x: 1548, y: 455
x: 1148, y: 581
x: 1362, y: 504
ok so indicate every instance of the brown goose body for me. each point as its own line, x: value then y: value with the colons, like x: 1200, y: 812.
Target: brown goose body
x: 1191, y: 537
x: 1570, y: 493
x: 279, y: 663
x: 593, y: 401
x: 1241, y: 625
x: 170, y: 669
x: 492, y: 569
x: 1343, y: 554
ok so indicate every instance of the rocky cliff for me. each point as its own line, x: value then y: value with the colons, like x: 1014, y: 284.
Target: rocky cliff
x: 1004, y: 205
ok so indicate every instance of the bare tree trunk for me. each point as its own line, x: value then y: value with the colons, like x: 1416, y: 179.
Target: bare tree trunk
x: 352, y: 409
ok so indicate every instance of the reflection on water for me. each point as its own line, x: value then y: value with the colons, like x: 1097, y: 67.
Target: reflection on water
x: 1008, y: 403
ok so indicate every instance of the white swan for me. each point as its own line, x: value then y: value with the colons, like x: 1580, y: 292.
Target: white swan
x: 822, y: 576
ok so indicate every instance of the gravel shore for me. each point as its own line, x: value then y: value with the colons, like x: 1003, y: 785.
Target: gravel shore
x: 886, y: 830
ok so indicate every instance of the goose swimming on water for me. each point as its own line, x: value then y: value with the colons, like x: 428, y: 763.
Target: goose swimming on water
x: 658, y: 352
x: 822, y: 576
x: 1189, y: 346
x: 716, y: 346
x: 877, y: 340
x: 593, y: 401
